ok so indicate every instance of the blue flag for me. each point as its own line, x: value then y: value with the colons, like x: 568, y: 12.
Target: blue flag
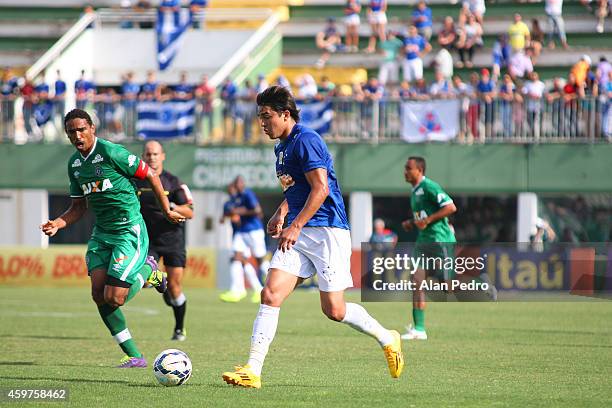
x: 170, y: 27
x: 316, y: 115
x: 162, y: 120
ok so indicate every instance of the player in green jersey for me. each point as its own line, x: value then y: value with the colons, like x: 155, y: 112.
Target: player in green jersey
x: 100, y: 173
x: 431, y: 207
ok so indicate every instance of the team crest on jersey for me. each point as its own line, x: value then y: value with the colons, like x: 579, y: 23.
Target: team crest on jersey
x: 97, y: 159
x: 419, y: 192
x: 96, y: 186
x: 131, y: 160
x: 76, y: 174
x: 76, y: 163
x: 99, y: 172
x: 286, y: 181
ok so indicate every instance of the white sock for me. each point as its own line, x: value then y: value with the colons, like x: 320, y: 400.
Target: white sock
x: 359, y: 319
x: 237, y: 277
x: 251, y: 275
x: 179, y: 301
x: 264, y: 329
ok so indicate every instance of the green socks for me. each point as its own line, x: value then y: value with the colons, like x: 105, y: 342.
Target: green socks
x: 418, y: 317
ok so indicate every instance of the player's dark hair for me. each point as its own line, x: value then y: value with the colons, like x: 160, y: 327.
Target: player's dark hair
x: 420, y: 162
x: 77, y: 114
x: 279, y: 99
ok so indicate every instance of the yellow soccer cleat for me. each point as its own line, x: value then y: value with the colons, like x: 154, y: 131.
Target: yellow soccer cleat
x: 256, y: 297
x: 242, y: 377
x: 394, y: 356
x: 232, y: 297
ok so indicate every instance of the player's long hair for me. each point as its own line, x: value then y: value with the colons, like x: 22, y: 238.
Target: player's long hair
x: 279, y: 99
x: 77, y: 114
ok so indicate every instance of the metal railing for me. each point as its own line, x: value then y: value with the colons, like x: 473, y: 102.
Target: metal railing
x: 586, y: 120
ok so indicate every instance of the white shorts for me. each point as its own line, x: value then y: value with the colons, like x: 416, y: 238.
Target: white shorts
x: 377, y: 17
x: 252, y: 242
x: 352, y: 20
x: 325, y: 251
x: 412, y: 69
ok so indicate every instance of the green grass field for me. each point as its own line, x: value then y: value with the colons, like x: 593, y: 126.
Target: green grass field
x: 478, y: 355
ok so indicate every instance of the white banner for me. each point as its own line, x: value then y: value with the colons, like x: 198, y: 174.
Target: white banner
x: 426, y: 121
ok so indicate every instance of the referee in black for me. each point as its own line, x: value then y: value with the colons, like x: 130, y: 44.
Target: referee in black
x: 167, y: 240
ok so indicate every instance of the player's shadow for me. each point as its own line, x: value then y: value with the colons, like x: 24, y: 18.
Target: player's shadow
x: 41, y: 337
x: 70, y: 380
x: 17, y: 363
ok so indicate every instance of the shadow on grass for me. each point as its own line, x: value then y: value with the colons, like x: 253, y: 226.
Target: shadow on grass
x: 17, y: 363
x: 47, y: 337
x: 70, y: 380
x: 562, y: 345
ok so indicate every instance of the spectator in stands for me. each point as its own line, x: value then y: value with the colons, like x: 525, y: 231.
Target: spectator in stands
x: 262, y: 83
x: 8, y: 92
x: 169, y: 5
x: 420, y: 90
x: 228, y: 96
x: 518, y: 33
x: 129, y: 93
x: 464, y: 92
x: 42, y: 112
x: 581, y: 70
x: 352, y: 21
x: 164, y: 93
x: 282, y: 80
x: 506, y: 96
x: 389, y: 66
x: 470, y: 37
x: 441, y: 87
x: 143, y: 6
x: 571, y: 92
x: 85, y: 91
x: 183, y: 91
x: 149, y: 88
x: 377, y: 17
x: 520, y: 64
x: 59, y: 95
x: 554, y: 97
x: 537, y: 39
x: 541, y: 233
x: 487, y: 92
x: 447, y: 34
x: 382, y: 235
x: 421, y: 19
x: 307, y: 87
x: 477, y: 8
x: 205, y: 94
x: 556, y: 25
x: 246, y: 108
x: 602, y: 72
x: 443, y: 62
x: 88, y: 9
x: 110, y: 113
x: 415, y: 47
x: 607, y: 117
x: 501, y: 54
x: 197, y: 8
x: 601, y: 13
x: 533, y: 90
x: 473, y: 113
x: 325, y: 88
x: 403, y: 92
x: 126, y: 8
x: 328, y: 41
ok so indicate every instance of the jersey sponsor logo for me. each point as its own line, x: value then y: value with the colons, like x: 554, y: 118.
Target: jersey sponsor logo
x: 419, y: 192
x: 76, y: 163
x: 120, y: 259
x: 131, y: 160
x: 97, y: 159
x: 420, y: 215
x: 286, y: 181
x: 281, y: 157
x: 95, y: 187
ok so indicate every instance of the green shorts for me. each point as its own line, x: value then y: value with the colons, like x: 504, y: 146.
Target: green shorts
x: 122, y: 255
x: 438, y: 259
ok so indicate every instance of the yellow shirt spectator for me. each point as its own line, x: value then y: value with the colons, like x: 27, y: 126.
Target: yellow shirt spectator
x: 518, y: 33
x: 581, y: 69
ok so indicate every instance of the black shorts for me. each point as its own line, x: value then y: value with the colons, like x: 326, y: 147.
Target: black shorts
x: 172, y: 256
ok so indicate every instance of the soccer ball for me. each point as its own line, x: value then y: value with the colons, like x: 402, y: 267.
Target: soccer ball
x: 172, y: 367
